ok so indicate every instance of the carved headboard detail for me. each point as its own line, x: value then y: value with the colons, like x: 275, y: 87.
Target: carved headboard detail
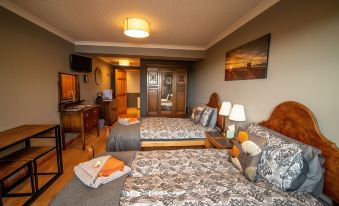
x: 215, y: 103
x: 298, y: 122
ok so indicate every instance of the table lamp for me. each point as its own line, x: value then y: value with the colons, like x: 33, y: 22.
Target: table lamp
x: 225, y: 111
x: 237, y: 114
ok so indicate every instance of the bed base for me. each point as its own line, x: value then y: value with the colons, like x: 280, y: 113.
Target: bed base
x: 180, y: 143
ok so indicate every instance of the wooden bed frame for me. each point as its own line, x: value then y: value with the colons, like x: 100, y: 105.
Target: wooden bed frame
x: 214, y: 102
x: 298, y: 122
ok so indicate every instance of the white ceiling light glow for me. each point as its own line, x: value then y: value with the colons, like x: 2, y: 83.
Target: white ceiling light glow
x: 135, y: 27
x: 123, y: 62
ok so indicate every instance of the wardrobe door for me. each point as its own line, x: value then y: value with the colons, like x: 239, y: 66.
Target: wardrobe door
x: 180, y: 92
x: 166, y: 92
x: 152, y: 91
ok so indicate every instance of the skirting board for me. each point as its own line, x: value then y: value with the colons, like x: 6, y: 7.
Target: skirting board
x: 179, y: 143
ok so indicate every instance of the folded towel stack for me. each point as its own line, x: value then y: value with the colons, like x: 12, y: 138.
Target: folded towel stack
x: 100, y: 170
x: 128, y: 121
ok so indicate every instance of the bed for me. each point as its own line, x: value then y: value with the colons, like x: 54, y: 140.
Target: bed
x: 161, y: 132
x: 206, y: 177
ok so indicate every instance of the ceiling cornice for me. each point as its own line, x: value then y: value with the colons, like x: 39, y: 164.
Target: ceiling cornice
x: 149, y: 46
x: 32, y: 18
x: 243, y: 20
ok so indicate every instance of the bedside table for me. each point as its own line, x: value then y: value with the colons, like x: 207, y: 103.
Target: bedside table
x: 216, y: 140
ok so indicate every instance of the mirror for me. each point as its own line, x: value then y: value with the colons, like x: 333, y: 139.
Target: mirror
x: 68, y: 87
x: 98, y: 76
x: 167, y: 91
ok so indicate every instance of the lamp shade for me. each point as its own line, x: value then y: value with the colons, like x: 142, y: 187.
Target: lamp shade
x: 225, y: 108
x: 238, y: 113
x: 135, y: 27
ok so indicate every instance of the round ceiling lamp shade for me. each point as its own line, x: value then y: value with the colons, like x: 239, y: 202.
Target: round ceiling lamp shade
x: 135, y: 27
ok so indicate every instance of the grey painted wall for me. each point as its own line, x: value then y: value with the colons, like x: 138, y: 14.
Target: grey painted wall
x: 31, y: 58
x: 132, y: 100
x: 303, y: 63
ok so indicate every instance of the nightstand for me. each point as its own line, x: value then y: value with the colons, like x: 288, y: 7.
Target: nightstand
x: 216, y: 140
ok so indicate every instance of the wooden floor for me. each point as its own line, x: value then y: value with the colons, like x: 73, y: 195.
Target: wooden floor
x: 72, y: 156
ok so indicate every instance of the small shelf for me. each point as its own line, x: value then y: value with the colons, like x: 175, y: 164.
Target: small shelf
x: 30, y: 153
x: 8, y: 168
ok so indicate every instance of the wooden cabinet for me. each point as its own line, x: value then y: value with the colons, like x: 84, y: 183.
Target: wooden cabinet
x: 108, y: 111
x: 79, y: 120
x: 166, y: 90
x: 215, y: 140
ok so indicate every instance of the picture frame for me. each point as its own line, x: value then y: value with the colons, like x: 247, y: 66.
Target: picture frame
x: 249, y: 61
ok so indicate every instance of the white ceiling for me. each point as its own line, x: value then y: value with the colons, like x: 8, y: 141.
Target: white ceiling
x: 190, y: 24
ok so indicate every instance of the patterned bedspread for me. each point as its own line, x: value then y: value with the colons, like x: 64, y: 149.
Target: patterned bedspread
x: 198, y: 177
x: 163, y: 128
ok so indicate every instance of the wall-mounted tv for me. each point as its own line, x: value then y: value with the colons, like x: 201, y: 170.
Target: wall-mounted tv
x: 80, y: 63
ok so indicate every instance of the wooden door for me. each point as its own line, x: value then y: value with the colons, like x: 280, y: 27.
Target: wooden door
x: 121, y: 91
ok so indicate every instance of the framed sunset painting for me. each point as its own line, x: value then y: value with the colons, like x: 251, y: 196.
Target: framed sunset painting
x: 248, y: 61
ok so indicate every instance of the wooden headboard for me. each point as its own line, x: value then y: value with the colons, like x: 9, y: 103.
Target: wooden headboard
x: 298, y: 122
x: 215, y: 103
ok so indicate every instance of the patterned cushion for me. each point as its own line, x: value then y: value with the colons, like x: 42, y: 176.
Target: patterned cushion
x: 280, y: 163
x: 259, y: 131
x: 214, y: 118
x: 311, y: 178
x: 249, y: 156
x: 197, y: 113
x: 206, y: 116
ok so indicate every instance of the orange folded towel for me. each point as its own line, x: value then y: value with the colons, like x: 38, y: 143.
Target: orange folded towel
x: 131, y: 120
x: 111, y: 165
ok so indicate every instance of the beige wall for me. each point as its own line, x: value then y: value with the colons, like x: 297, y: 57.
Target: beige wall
x: 88, y: 91
x: 303, y: 63
x: 30, y: 61
x: 133, y: 81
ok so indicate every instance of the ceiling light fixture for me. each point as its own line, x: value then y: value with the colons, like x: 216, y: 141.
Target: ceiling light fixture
x: 135, y: 27
x: 123, y: 62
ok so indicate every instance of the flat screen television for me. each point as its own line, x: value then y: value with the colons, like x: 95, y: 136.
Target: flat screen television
x: 80, y: 63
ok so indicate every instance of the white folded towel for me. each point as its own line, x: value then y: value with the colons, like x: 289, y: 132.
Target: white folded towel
x: 88, y: 172
x: 126, y: 121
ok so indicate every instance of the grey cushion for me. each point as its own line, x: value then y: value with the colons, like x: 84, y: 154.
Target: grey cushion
x: 314, y: 169
x: 280, y: 163
x: 315, y: 175
x: 249, y: 162
x: 197, y: 116
x: 75, y: 193
x: 206, y: 116
x: 214, y: 118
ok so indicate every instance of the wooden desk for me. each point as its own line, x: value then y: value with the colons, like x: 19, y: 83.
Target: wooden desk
x: 79, y: 121
x: 216, y: 140
x: 30, y: 154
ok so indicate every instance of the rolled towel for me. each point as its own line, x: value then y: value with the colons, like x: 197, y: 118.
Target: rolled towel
x: 128, y: 121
